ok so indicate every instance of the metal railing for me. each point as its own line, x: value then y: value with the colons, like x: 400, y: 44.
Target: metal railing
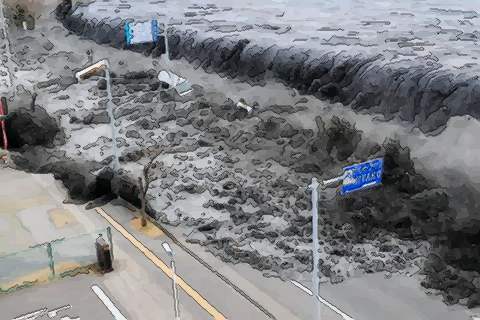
x: 50, y: 260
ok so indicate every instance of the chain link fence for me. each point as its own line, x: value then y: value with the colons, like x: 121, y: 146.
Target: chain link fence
x: 50, y: 260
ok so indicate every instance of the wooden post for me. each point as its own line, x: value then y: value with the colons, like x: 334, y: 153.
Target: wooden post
x: 142, y: 199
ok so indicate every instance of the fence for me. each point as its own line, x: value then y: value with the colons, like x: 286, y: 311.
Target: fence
x: 50, y: 260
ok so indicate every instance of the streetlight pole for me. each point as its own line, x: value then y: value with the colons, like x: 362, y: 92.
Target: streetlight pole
x: 87, y: 72
x: 169, y: 250
x: 175, y: 291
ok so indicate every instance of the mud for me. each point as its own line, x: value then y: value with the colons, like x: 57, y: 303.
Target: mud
x: 238, y: 179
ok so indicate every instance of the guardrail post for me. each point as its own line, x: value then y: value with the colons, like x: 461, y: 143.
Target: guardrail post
x: 51, y: 262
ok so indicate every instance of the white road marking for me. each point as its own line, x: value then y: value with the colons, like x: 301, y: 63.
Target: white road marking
x: 108, y: 303
x: 32, y: 315
x: 52, y: 314
x: 325, y: 302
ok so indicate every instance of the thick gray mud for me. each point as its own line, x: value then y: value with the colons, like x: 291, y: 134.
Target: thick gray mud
x: 237, y: 179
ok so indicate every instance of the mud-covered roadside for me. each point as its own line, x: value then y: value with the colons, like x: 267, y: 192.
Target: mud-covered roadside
x: 238, y: 179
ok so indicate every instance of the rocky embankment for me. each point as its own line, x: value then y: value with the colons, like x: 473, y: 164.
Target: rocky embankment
x: 236, y: 178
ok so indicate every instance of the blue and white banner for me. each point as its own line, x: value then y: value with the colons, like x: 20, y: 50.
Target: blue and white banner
x: 141, y: 32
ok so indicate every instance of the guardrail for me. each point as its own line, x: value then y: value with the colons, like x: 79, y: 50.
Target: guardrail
x: 50, y: 260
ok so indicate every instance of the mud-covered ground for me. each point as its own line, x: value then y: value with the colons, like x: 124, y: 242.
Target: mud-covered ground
x: 237, y: 179
x: 414, y: 60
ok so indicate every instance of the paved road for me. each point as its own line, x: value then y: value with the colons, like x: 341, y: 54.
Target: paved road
x: 230, y: 299
x: 74, y: 292
x: 369, y: 297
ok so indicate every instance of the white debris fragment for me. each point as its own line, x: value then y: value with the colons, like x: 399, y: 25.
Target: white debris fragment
x: 85, y: 73
x: 242, y: 104
x: 181, y: 85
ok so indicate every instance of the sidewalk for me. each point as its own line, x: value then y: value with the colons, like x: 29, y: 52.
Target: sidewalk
x: 31, y: 210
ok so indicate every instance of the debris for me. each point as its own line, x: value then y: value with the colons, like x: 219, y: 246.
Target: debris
x: 243, y: 104
x: 181, y: 85
x: 91, y: 70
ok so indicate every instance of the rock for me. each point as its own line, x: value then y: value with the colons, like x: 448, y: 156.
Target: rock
x: 27, y: 127
x: 102, y: 84
x: 132, y: 134
x: 336, y: 278
x: 97, y: 118
x: 146, y: 97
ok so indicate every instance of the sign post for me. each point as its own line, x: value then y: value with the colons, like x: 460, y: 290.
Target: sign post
x: 354, y: 178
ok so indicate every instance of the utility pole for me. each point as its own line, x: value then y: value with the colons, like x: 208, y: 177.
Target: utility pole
x: 86, y: 73
x: 116, y: 163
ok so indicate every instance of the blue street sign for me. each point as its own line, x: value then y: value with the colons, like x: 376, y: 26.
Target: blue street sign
x: 141, y: 32
x: 362, y: 175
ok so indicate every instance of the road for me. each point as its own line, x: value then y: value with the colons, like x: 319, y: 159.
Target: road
x: 371, y: 297
x: 75, y: 292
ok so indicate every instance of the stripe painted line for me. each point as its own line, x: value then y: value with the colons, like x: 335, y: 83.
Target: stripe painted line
x: 108, y: 303
x: 213, y: 270
x: 322, y: 300
x: 32, y: 315
x: 202, y: 302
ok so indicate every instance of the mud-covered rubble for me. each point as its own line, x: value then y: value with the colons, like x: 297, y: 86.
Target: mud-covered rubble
x: 238, y: 179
